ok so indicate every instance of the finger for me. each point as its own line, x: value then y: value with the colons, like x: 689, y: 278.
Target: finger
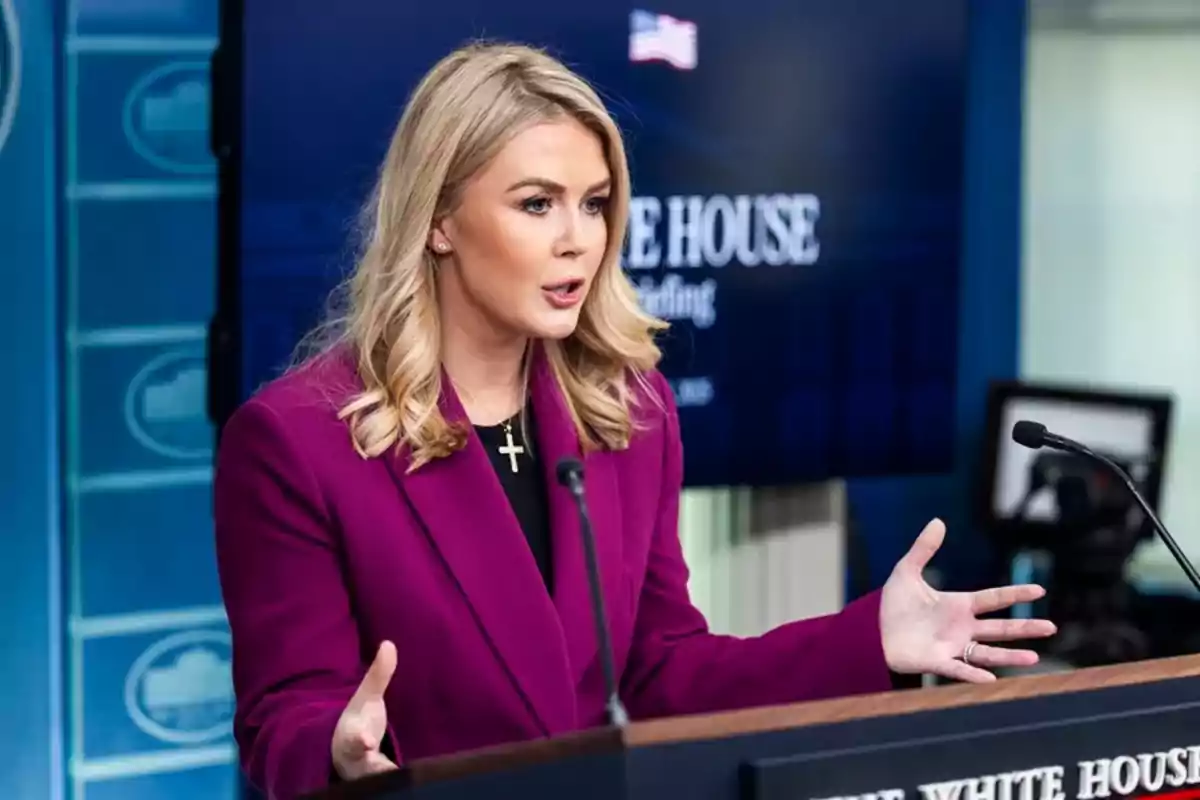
x: 369, y: 764
x: 960, y: 671
x: 382, y: 668
x: 986, y: 601
x: 376, y: 762
x: 1009, y: 630
x: 984, y: 655
x: 354, y: 742
x: 927, y: 543
x: 378, y: 676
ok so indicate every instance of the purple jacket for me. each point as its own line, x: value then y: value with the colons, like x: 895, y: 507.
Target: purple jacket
x: 324, y: 554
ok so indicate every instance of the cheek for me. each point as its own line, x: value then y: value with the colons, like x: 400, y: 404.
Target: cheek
x: 528, y: 242
x: 505, y: 256
x: 595, y: 236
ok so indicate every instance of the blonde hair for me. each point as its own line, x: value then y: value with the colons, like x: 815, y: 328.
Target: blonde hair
x: 459, y: 117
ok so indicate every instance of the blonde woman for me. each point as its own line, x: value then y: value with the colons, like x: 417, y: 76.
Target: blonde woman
x: 403, y: 575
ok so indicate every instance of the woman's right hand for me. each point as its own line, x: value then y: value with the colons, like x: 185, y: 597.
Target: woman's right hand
x: 358, y: 737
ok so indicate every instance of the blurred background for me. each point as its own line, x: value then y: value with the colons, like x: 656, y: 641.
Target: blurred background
x: 992, y: 211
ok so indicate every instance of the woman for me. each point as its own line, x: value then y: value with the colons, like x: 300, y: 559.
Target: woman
x: 403, y: 576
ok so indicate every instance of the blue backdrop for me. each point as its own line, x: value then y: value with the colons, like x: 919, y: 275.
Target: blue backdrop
x: 890, y: 512
x: 149, y: 698
x: 106, y: 233
x: 31, y: 621
x: 108, y: 196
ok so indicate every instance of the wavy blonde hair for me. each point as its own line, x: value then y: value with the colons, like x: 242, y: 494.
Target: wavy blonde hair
x: 463, y: 112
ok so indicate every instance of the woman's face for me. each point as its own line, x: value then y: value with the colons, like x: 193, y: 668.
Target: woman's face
x: 528, y: 235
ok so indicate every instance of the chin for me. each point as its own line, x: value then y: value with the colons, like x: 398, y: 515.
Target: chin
x: 553, y: 326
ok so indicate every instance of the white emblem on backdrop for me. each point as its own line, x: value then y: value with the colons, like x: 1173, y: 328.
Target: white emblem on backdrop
x: 166, y: 117
x: 180, y: 690
x: 10, y: 68
x: 165, y: 406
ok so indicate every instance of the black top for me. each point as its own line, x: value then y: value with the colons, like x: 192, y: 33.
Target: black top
x: 523, y: 477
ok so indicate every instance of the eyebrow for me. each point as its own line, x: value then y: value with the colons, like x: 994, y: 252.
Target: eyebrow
x: 554, y: 187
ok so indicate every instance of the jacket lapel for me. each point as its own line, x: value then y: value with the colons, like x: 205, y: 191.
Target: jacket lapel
x: 572, y: 591
x: 463, y: 508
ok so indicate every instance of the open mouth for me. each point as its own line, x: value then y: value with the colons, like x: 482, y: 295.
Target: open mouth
x: 564, y: 294
x: 564, y: 288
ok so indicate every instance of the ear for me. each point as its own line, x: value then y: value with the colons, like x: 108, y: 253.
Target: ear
x: 439, y: 242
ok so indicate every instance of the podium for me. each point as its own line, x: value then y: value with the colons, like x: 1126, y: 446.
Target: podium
x: 1125, y: 731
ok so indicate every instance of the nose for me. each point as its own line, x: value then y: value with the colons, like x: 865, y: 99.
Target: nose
x: 569, y: 242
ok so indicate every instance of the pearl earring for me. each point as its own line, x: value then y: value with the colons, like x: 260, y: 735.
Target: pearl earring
x: 442, y: 247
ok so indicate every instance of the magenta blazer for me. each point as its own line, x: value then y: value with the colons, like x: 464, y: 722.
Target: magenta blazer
x: 324, y: 554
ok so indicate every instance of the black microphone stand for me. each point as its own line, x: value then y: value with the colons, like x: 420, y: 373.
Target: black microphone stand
x: 570, y: 475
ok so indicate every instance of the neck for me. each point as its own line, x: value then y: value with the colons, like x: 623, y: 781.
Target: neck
x: 487, y: 371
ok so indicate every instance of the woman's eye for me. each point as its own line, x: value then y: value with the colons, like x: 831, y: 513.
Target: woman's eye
x: 536, y: 205
x: 596, y: 205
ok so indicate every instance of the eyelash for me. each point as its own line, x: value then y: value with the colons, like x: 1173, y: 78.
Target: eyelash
x: 528, y: 205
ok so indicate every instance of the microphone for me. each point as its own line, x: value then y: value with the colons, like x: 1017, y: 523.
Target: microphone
x: 570, y: 474
x: 1035, y: 436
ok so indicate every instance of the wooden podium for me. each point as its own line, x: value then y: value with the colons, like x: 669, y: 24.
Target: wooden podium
x: 1094, y: 734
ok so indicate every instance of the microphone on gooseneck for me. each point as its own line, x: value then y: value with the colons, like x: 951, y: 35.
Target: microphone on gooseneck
x: 1035, y: 436
x: 570, y: 475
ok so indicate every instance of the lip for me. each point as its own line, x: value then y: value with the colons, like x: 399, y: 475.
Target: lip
x: 564, y: 294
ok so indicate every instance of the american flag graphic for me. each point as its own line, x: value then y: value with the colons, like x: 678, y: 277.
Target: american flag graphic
x: 659, y: 37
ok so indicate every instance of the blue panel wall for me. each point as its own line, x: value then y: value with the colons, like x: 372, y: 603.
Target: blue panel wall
x: 30, y: 587
x: 149, y: 699
x: 891, y: 512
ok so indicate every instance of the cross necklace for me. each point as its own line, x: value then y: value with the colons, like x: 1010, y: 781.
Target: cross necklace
x: 510, y: 448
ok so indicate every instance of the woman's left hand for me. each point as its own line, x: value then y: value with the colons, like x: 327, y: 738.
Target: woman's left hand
x: 927, y: 631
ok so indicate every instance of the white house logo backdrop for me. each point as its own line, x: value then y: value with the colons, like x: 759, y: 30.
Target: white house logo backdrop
x: 166, y: 117
x: 180, y: 689
x: 149, y: 691
x: 165, y: 406
x: 10, y: 68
